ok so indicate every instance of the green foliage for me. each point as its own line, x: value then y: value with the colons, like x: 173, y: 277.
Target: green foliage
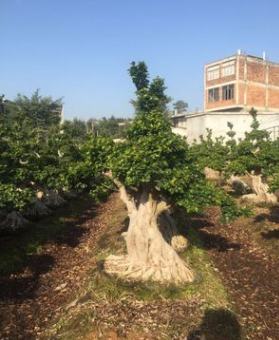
x: 13, y: 198
x: 210, y: 152
x: 112, y: 127
x: 255, y: 153
x: 155, y: 160
x: 139, y: 75
x: 88, y: 172
x: 180, y: 106
x: 75, y: 129
x: 150, y: 96
x: 35, y: 112
x: 37, y: 154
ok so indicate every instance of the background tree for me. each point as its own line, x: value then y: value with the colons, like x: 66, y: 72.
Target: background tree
x: 36, y: 155
x: 256, y: 157
x: 75, y: 128
x: 210, y: 153
x: 112, y: 127
x: 180, y: 106
x: 150, y: 96
x: 35, y: 112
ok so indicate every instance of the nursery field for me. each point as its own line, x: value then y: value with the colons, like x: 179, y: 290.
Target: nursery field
x: 146, y: 237
x: 59, y: 291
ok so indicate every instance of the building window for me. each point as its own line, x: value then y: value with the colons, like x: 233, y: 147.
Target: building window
x: 228, y: 92
x: 213, y: 73
x: 228, y: 68
x: 213, y: 95
x: 175, y: 122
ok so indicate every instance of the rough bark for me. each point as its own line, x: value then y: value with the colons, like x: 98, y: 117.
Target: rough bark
x: 149, y: 256
x: 52, y: 199
x: 213, y: 175
x: 238, y: 184
x: 168, y: 228
x: 260, y: 191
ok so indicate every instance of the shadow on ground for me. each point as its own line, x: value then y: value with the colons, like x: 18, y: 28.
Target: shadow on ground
x: 272, y: 216
x: 18, y: 289
x: 22, y: 257
x: 217, y: 324
x: 270, y: 234
x: 206, y: 239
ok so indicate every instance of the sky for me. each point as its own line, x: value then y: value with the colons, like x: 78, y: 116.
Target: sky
x: 80, y: 50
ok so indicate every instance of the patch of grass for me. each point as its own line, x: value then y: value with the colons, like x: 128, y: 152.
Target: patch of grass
x: 15, y: 248
x: 208, y: 284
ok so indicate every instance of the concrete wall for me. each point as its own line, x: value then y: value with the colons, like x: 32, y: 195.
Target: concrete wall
x: 194, y: 125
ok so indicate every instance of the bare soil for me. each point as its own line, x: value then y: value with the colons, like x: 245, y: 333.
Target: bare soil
x: 245, y: 253
x: 32, y: 299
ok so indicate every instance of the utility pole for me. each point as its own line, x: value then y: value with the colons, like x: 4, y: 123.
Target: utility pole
x: 2, y: 100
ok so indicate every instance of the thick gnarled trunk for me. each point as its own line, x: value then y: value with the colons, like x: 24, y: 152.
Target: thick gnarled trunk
x: 168, y: 228
x: 149, y: 256
x: 260, y: 191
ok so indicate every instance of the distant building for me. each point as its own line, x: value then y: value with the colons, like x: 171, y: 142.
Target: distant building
x: 232, y: 86
x: 241, y: 81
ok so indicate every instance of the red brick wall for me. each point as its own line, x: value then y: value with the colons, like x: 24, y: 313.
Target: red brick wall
x: 274, y: 75
x: 256, y: 71
x: 273, y: 98
x: 241, y: 89
x: 241, y: 63
x: 255, y: 96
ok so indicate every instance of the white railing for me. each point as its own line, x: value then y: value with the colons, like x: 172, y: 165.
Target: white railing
x: 274, y: 131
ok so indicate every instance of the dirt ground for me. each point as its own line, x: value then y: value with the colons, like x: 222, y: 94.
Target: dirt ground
x: 33, y: 298
x: 244, y: 253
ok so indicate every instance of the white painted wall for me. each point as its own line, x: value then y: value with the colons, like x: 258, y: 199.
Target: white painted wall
x: 194, y: 125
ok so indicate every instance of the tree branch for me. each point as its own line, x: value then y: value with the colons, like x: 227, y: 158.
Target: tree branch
x: 126, y: 198
x: 161, y: 207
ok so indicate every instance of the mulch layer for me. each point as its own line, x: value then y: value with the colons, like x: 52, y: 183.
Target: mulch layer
x: 250, y: 273
x: 31, y: 300
x: 138, y: 320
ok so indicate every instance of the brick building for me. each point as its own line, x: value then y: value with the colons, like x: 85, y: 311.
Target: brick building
x: 241, y: 82
x: 232, y: 86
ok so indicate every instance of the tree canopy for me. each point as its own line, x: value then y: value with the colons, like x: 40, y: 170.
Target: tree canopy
x: 180, y: 106
x: 150, y: 95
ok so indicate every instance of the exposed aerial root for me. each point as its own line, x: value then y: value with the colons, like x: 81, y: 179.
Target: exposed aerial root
x: 172, y: 273
x: 265, y: 198
x: 13, y: 221
x: 212, y: 174
x: 53, y: 200
x: 38, y: 209
x: 238, y: 184
x: 168, y: 228
x: 179, y: 243
x: 68, y: 195
x: 261, y: 191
